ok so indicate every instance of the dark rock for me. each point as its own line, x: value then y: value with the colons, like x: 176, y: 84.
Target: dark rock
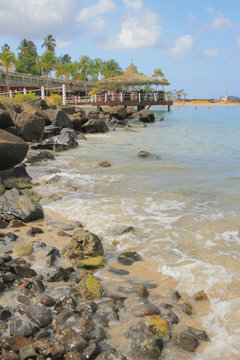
x: 15, y: 203
x: 145, y: 116
x: 10, y: 237
x: 144, y: 154
x: 90, y: 307
x: 69, y: 109
x: 63, y: 234
x: 64, y: 315
x: 38, y: 286
x: 16, y: 342
x: 38, y: 314
x: 50, y: 348
x: 128, y: 257
x: 95, y: 126
x: 140, y: 290
x: 78, y: 120
x: 91, y: 351
x: 50, y: 131
x: 6, y: 258
x: 28, y: 352
x: 5, y: 119
x: 41, y: 104
x: 73, y: 355
x: 41, y: 156
x: 12, y: 149
x: 118, y: 271
x: 16, y: 223
x: 68, y: 302
x: 33, y: 230
x: 145, y: 310
x: 105, y: 164
x: 61, y: 226
x: 61, y: 119
x: 124, y: 230
x: 185, y: 341
x: 47, y: 300
x: 31, y: 125
x: 54, y: 180
x: 171, y: 318
x: 59, y: 143
x: 24, y: 272
x: 22, y: 327
x: 149, y: 347
x: 60, y: 274
x: 16, y: 177
x: 99, y: 334
x: 9, y: 355
x: 42, y: 334
x: 83, y: 244
x: 5, y: 314
x: 55, y: 252
x: 3, y: 223
x: 23, y: 300
x: 196, y: 333
x: 71, y: 340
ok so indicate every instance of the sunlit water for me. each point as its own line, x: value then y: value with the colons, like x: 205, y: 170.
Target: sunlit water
x: 184, y: 203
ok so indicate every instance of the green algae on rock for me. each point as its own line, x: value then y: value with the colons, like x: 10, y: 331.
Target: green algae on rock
x: 92, y: 263
x: 157, y: 325
x: 83, y: 244
x: 90, y: 288
x: 22, y: 250
x: 34, y: 196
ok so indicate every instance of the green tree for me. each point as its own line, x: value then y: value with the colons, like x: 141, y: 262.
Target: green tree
x: 49, y: 43
x: 47, y: 61
x: 157, y: 73
x: 7, y: 59
x: 84, y: 65
x: 65, y: 59
x: 5, y: 47
x: 111, y: 68
x: 95, y: 68
x: 27, y: 57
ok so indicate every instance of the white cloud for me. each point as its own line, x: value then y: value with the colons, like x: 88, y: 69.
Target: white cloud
x: 210, y: 53
x: 62, y: 44
x: 137, y: 32
x: 134, y: 4
x: 182, y: 46
x: 99, y: 8
x: 37, y: 18
x: 220, y: 22
x: 98, y: 24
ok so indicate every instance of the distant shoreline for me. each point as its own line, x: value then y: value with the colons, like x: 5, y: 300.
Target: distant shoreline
x: 196, y: 104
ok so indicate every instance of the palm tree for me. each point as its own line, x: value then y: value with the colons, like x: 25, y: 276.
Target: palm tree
x: 5, y: 47
x: 95, y: 68
x: 7, y: 59
x: 84, y: 64
x: 49, y: 43
x: 65, y: 59
x: 179, y: 93
x: 27, y: 47
x: 111, y: 68
x: 158, y: 73
x: 46, y: 61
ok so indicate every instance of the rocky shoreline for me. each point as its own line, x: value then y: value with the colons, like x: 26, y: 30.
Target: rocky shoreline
x: 63, y: 294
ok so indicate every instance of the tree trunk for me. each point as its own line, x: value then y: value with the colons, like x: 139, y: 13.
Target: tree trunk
x: 7, y: 80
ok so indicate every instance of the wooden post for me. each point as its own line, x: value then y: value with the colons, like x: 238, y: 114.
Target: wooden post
x: 64, y: 94
x: 121, y: 97
x: 105, y: 97
x: 112, y: 96
x: 42, y: 93
x: 139, y: 97
x: 10, y: 94
x: 75, y: 100
x: 25, y: 91
x: 169, y: 107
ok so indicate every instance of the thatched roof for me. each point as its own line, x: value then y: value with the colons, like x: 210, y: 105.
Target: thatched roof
x: 132, y: 77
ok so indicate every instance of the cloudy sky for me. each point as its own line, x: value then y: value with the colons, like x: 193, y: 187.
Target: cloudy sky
x: 196, y: 43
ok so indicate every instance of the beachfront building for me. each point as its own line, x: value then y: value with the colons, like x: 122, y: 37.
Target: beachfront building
x: 131, y: 89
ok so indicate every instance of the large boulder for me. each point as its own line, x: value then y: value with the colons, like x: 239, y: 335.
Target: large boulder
x: 59, y: 143
x: 12, y: 149
x: 144, y: 115
x: 78, y: 120
x: 119, y: 112
x: 83, y: 244
x: 95, y: 126
x: 16, y: 177
x: 5, y: 119
x: 61, y: 119
x: 31, y: 125
x: 51, y: 130
x: 15, y: 203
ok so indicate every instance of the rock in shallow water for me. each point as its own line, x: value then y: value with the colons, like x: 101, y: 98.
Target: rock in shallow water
x: 13, y: 150
x: 128, y: 257
x: 38, y: 314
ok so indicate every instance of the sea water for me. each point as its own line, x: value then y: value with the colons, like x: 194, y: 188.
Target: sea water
x: 184, y: 203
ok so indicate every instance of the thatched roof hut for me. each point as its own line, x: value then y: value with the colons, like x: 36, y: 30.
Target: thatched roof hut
x: 131, y: 77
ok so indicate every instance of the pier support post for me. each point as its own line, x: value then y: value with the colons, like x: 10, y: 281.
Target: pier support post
x: 169, y: 107
x: 42, y: 93
x: 64, y: 94
x: 10, y: 94
x: 24, y: 91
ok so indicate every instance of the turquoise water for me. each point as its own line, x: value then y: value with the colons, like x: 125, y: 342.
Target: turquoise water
x: 184, y: 203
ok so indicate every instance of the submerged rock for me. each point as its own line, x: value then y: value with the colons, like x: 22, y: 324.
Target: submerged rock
x: 22, y: 250
x: 83, y: 244
x: 157, y: 325
x: 92, y: 263
x: 38, y: 314
x: 141, y: 310
x: 128, y: 257
x: 185, y: 341
x: 144, y: 154
x: 41, y: 156
x: 90, y: 288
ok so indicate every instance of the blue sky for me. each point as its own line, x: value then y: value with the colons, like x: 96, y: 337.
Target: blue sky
x: 196, y: 43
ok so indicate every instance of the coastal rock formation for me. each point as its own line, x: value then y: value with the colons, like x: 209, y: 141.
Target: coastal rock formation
x: 83, y: 244
x: 31, y: 125
x: 16, y: 177
x: 17, y: 204
x: 5, y: 119
x: 144, y: 115
x: 12, y: 149
x: 95, y: 126
x: 78, y: 120
x: 59, y: 143
x: 60, y: 118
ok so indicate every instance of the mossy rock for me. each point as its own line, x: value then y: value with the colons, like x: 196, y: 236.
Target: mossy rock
x: 57, y: 284
x: 200, y: 296
x: 157, y: 325
x: 23, y: 250
x: 90, y: 288
x: 92, y: 263
x: 34, y: 196
x: 2, y: 187
x: 185, y: 306
x: 19, y: 183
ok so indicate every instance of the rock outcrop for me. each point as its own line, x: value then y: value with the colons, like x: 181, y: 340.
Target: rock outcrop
x: 12, y: 149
